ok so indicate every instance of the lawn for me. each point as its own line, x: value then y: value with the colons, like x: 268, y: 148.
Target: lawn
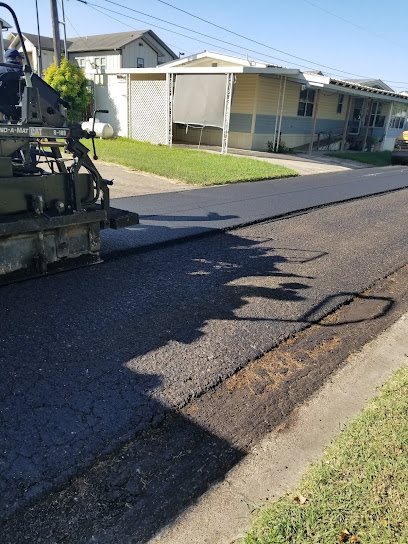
x: 359, y: 490
x: 195, y: 167
x: 376, y: 158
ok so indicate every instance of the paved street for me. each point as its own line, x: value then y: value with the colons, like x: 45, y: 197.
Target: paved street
x: 178, y: 214
x: 91, y: 357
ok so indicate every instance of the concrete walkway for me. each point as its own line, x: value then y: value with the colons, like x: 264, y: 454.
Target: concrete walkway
x: 276, y: 464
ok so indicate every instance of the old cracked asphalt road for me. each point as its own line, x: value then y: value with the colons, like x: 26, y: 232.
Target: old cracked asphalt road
x: 92, y: 357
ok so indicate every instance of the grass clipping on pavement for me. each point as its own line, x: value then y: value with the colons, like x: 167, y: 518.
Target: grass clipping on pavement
x: 190, y: 166
x: 359, y: 491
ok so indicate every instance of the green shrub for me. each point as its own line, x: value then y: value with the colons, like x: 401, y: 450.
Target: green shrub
x: 71, y: 83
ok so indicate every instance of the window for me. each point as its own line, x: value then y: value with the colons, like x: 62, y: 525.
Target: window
x: 306, y: 101
x: 81, y: 62
x: 340, y: 101
x: 398, y: 116
x: 376, y: 118
x: 140, y: 63
x: 100, y: 64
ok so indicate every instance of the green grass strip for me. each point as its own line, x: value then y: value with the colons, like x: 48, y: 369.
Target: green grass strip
x: 361, y: 484
x: 190, y: 166
x: 376, y: 158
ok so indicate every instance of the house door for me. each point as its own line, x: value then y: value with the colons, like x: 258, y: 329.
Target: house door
x: 357, y: 115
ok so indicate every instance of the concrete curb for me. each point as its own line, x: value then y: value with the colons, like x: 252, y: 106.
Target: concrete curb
x: 276, y: 464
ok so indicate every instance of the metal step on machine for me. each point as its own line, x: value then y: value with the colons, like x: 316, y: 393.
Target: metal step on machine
x: 52, y: 207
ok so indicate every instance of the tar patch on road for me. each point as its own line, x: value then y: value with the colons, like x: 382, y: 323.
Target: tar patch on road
x: 134, y: 492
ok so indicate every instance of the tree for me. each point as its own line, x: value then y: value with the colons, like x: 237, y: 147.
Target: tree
x: 70, y: 81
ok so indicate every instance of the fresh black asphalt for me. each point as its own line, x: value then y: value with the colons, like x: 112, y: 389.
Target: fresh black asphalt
x: 91, y: 357
x: 171, y: 216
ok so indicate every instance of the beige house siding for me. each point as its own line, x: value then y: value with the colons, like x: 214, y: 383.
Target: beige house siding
x: 207, y: 62
x: 244, y: 93
x: 328, y: 106
x: 295, y: 129
x: 268, y: 94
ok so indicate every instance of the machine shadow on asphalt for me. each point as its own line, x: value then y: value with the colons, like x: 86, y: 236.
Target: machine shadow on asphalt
x: 97, y: 369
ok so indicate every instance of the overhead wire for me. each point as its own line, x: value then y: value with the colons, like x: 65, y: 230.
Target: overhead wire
x: 125, y: 24
x: 173, y: 31
x: 74, y: 29
x: 92, y: 6
x: 260, y: 54
x: 312, y: 67
x: 254, y: 41
x: 360, y: 27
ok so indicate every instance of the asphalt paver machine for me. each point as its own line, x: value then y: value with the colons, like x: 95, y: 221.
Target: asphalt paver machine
x: 53, y: 205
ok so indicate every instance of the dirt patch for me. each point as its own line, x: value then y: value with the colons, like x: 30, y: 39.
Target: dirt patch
x: 130, y: 495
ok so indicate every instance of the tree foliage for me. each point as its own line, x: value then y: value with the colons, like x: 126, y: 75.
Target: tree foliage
x: 70, y: 81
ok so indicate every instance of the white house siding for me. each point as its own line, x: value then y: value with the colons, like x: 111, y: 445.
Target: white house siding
x: 392, y: 132
x: 134, y: 50
x: 112, y: 59
x: 113, y: 97
x: 47, y: 58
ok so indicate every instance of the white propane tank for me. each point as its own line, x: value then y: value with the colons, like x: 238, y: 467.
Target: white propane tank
x: 102, y: 130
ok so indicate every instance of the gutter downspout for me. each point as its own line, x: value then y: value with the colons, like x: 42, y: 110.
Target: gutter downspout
x: 169, y: 109
x: 277, y: 114
x: 387, y: 125
x: 346, y: 122
x: 281, y: 113
x: 227, y: 113
x: 316, y: 106
x: 370, y: 109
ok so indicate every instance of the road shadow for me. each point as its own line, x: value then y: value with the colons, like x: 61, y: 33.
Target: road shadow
x: 129, y: 495
x: 93, y: 358
x: 210, y: 216
x: 77, y: 350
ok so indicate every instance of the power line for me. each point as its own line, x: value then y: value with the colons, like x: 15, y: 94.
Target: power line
x: 125, y: 24
x: 174, y: 32
x: 223, y: 41
x: 250, y: 39
x: 349, y: 22
x: 254, y: 41
x: 92, y: 6
x: 75, y: 30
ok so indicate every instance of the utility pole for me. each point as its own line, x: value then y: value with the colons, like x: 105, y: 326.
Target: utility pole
x: 39, y: 41
x: 65, y: 29
x: 55, y: 32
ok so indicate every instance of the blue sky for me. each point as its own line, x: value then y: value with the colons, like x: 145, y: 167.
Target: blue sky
x: 348, y: 39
